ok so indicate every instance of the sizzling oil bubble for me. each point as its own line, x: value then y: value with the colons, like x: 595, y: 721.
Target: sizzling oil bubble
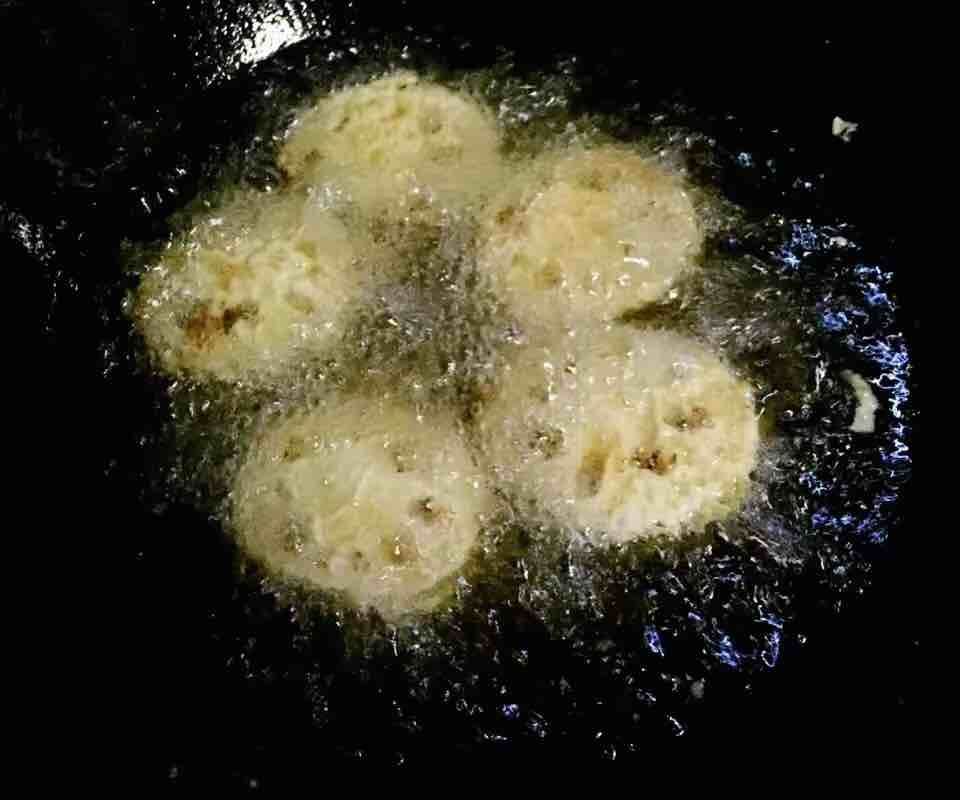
x: 546, y: 635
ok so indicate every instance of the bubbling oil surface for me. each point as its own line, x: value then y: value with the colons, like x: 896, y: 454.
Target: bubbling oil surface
x: 549, y: 635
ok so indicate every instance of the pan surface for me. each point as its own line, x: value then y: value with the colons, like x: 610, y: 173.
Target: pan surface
x: 809, y: 625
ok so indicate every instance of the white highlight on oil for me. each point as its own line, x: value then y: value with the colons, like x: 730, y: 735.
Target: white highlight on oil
x: 864, y: 418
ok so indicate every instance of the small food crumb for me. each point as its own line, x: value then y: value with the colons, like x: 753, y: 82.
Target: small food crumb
x: 864, y: 418
x: 843, y: 129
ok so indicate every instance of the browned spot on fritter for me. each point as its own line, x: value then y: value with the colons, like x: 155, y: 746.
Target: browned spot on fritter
x: 512, y: 218
x: 698, y: 417
x: 202, y: 327
x: 233, y: 314
x: 505, y: 215
x: 294, y: 449
x: 548, y: 441
x: 656, y: 461
x: 593, y: 466
x: 359, y: 561
x: 430, y: 511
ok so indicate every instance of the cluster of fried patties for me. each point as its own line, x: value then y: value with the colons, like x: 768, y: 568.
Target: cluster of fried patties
x: 605, y: 430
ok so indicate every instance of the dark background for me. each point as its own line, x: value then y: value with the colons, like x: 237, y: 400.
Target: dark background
x: 100, y: 99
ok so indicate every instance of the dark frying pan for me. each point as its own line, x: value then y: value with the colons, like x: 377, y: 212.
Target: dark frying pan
x: 115, y: 113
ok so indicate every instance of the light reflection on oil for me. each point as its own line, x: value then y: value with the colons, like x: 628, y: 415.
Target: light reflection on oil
x: 281, y: 28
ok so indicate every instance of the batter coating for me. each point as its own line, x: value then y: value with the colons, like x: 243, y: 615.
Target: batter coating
x: 254, y: 287
x: 588, y: 235
x: 397, y: 145
x: 632, y: 435
x: 364, y: 498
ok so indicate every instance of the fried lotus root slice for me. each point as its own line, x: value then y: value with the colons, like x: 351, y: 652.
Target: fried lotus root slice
x: 634, y: 434
x: 363, y: 498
